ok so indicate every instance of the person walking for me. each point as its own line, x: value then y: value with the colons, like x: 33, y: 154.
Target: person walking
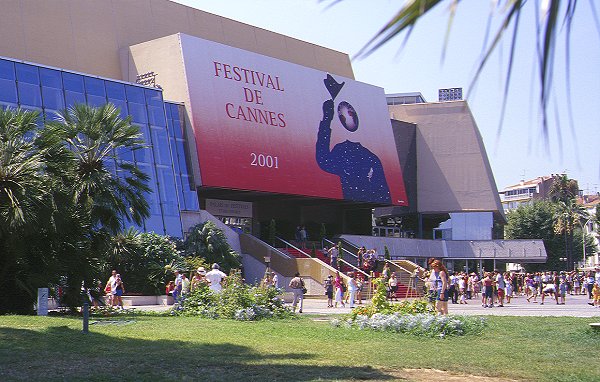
x: 333, y: 256
x: 393, y: 287
x: 329, y: 291
x: 339, y: 290
x: 440, y: 277
x: 352, y: 289
x: 297, y: 286
x: 117, y: 288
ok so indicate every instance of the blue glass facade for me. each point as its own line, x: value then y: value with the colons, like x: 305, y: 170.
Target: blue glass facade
x: 49, y: 90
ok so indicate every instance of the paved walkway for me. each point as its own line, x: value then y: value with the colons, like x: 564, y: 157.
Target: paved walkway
x: 576, y: 306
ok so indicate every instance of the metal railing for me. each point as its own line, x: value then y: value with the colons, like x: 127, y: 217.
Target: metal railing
x: 343, y: 252
x: 289, y: 245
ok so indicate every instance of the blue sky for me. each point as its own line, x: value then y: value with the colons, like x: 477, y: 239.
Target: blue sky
x: 519, y: 148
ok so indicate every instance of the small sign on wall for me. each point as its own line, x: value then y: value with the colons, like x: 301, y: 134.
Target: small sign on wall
x: 229, y: 208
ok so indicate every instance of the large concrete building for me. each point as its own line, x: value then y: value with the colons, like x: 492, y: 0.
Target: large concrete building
x: 241, y: 124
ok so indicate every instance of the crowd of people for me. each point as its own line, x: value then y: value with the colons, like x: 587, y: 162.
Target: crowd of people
x: 497, y: 288
x: 367, y: 259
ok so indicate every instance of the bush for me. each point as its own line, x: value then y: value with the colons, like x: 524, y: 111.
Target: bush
x: 206, y: 240
x: 235, y: 301
x: 145, y: 260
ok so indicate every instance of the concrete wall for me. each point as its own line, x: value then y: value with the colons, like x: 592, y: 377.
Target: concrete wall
x: 86, y: 35
x: 454, y: 172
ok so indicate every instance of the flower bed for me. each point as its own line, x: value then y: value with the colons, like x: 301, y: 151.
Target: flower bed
x: 413, y: 317
x: 422, y: 324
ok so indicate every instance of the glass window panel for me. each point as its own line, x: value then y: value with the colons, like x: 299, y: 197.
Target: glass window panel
x: 29, y: 94
x: 8, y: 91
x: 173, y: 226
x: 144, y: 154
x: 7, y: 69
x: 125, y: 154
x: 156, y: 116
x: 135, y: 94
x: 168, y: 110
x: 182, y: 204
x: 94, y: 86
x: 187, y: 183
x: 175, y: 112
x: 181, y: 154
x: 191, y: 200
x: 138, y: 113
x: 51, y: 78
x: 73, y: 82
x: 176, y: 128
x: 155, y: 224
x: 94, y: 100
x: 27, y: 73
x: 53, y: 98
x: 160, y: 143
x: 115, y: 90
x: 174, y: 154
x: 153, y: 97
x: 71, y: 98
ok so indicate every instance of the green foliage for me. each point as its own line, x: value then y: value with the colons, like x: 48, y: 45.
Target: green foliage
x: 386, y: 253
x: 146, y: 261
x: 535, y: 221
x: 206, y: 240
x: 380, y: 304
x: 323, y: 232
x: 236, y: 300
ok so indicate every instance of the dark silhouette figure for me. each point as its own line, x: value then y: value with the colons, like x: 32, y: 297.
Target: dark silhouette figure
x: 360, y: 171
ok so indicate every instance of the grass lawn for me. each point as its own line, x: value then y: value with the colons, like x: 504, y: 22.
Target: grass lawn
x: 181, y: 348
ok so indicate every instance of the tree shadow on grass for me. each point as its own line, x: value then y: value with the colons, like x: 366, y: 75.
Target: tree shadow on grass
x: 63, y: 353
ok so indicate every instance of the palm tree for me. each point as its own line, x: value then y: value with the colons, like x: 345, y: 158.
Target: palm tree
x: 567, y: 216
x: 563, y: 188
x: 24, y: 192
x: 83, y: 140
x: 94, y: 201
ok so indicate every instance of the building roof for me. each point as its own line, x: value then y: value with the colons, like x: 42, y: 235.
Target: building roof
x: 528, y: 183
x: 517, y: 251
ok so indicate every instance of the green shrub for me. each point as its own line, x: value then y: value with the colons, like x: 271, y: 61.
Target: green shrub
x: 235, y: 301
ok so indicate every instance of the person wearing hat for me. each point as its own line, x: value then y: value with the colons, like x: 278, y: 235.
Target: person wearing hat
x: 198, y: 278
x: 215, y: 277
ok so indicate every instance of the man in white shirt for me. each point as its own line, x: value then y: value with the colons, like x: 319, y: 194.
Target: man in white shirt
x: 215, y: 277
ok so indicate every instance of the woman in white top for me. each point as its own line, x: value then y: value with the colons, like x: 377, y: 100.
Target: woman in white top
x: 352, y: 289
